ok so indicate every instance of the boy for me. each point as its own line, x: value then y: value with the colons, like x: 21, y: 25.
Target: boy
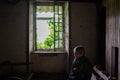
x: 81, y: 67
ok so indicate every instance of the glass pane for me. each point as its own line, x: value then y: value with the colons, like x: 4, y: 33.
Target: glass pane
x: 44, y: 11
x: 60, y: 43
x: 60, y: 35
x: 60, y: 9
x: 60, y: 18
x: 56, y: 27
x: 60, y: 27
x: 56, y: 18
x: 56, y: 35
x: 56, y: 9
x: 51, y: 24
x: 56, y: 44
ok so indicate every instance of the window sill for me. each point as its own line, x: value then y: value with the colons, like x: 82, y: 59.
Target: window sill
x: 48, y: 53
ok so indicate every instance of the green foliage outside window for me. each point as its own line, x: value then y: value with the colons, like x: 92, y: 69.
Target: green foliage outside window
x: 49, y: 41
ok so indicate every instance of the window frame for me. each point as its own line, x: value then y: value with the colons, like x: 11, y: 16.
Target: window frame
x: 35, y: 4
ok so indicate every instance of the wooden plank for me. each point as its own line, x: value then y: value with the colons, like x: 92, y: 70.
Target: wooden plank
x: 102, y: 75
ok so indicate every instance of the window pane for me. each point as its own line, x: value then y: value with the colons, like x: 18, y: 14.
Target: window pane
x: 45, y: 9
x: 56, y: 18
x: 56, y: 44
x: 60, y: 9
x: 56, y: 27
x: 60, y: 27
x: 60, y: 18
x: 56, y: 9
x: 60, y: 35
x: 60, y: 43
x: 56, y: 35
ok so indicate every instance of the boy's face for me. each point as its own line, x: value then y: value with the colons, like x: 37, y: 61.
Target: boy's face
x: 78, y: 53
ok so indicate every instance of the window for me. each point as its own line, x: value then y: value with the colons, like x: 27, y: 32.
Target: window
x: 49, y: 26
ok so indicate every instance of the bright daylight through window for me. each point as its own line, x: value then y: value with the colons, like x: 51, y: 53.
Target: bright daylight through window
x: 49, y: 31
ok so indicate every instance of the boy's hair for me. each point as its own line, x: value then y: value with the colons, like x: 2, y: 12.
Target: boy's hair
x: 79, y: 48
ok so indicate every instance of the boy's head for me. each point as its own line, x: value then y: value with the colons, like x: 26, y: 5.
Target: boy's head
x: 79, y: 51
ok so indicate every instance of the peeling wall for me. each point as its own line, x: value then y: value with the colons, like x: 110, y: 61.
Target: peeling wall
x: 13, y: 33
x: 112, y: 32
x: 83, y: 28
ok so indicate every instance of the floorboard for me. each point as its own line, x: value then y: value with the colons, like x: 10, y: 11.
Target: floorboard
x: 49, y: 76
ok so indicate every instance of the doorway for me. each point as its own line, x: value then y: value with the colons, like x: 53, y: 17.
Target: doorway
x: 101, y: 37
x: 114, y: 62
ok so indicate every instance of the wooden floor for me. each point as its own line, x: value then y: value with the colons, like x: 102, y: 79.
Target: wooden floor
x: 48, y: 76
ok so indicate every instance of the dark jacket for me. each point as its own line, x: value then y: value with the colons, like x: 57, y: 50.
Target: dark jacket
x: 81, y: 69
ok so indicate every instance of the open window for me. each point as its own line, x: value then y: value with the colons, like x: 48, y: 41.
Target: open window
x: 50, y: 30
